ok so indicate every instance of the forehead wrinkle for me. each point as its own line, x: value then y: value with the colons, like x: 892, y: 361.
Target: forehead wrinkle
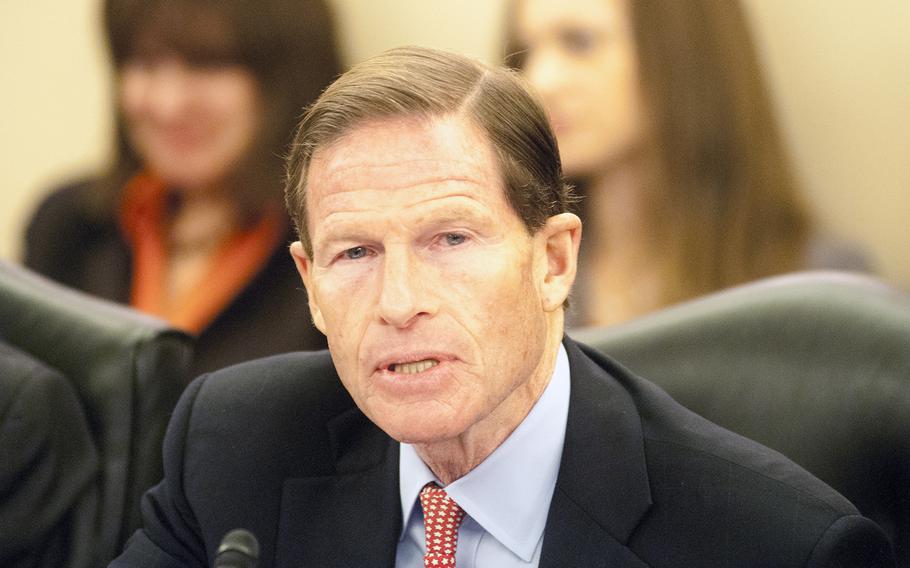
x: 466, y: 205
x: 411, y: 145
x: 401, y: 174
x: 410, y: 162
x: 411, y: 192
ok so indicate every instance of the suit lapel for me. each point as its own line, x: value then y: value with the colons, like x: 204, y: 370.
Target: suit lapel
x: 352, y: 518
x: 602, y: 489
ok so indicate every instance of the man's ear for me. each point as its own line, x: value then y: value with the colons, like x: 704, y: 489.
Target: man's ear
x: 304, y: 268
x: 559, y: 240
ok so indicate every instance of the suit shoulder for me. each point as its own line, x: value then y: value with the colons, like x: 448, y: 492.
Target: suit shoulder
x: 49, y: 457
x: 288, y: 378
x: 27, y: 381
x: 273, y: 396
x: 670, y: 429
x: 675, y: 434
x: 717, y: 495
x: 246, y: 428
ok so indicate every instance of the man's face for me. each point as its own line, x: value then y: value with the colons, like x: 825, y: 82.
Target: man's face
x: 428, y: 286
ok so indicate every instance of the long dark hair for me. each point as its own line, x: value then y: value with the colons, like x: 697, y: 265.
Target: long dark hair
x: 288, y: 46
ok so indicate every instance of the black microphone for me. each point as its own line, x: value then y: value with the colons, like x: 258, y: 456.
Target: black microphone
x: 238, y: 549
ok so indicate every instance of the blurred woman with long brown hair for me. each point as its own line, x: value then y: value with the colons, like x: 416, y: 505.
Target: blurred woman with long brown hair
x: 664, y: 122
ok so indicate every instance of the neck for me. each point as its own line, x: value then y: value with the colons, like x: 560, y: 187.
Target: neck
x: 198, y: 227
x: 453, y: 458
x: 620, y: 267
x: 614, y: 206
x: 201, y: 220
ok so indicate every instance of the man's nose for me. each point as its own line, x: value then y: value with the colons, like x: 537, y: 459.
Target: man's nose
x: 404, y: 297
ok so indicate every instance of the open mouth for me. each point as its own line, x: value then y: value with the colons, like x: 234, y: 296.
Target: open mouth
x: 413, y: 367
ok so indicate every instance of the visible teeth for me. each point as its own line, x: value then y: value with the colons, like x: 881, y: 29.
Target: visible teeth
x: 415, y: 367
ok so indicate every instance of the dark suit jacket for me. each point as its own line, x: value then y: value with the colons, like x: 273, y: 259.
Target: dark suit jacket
x: 48, y: 468
x: 68, y: 242
x: 278, y: 447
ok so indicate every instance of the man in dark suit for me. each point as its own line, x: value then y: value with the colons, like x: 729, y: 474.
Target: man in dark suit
x: 48, y: 467
x: 451, y: 423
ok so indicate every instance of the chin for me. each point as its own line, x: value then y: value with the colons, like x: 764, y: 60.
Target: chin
x: 421, y: 427
x: 187, y: 181
x: 187, y: 171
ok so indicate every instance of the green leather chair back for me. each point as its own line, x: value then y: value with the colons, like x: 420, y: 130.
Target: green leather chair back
x: 128, y: 369
x: 814, y: 365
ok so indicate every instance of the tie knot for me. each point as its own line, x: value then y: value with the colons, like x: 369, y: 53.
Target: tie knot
x: 441, y: 519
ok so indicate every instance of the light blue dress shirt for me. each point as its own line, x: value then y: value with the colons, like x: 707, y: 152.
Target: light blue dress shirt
x: 506, y: 498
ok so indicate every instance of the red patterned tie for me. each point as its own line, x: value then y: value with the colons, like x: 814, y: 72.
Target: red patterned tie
x: 441, y: 518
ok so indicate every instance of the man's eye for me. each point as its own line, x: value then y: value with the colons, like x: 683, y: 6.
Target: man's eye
x: 454, y: 239
x: 355, y: 253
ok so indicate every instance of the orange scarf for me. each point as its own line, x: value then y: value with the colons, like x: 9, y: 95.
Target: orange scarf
x: 231, y: 267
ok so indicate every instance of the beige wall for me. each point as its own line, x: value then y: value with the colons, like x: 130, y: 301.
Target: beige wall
x: 840, y: 70
x: 53, y: 101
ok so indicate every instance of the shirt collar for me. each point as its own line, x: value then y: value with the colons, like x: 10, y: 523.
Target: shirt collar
x: 509, y: 493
